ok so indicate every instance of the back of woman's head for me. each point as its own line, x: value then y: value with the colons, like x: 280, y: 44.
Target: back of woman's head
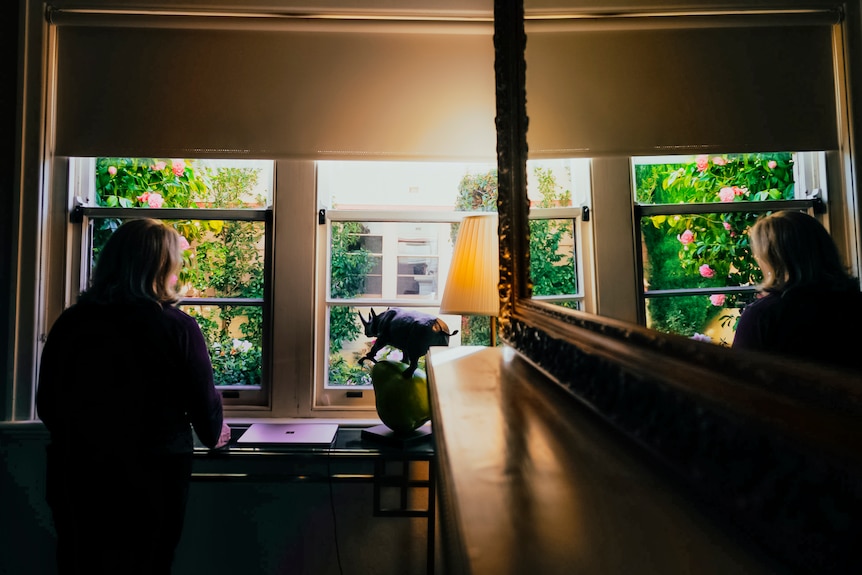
x: 795, y: 250
x: 138, y: 263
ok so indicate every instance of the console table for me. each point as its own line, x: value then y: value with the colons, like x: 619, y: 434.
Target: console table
x: 398, y: 482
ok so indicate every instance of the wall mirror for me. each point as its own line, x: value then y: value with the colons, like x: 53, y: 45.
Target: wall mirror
x: 704, y: 410
x: 530, y: 125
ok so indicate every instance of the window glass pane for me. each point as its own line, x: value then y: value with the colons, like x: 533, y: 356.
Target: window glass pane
x: 182, y: 183
x: 220, y: 258
x: 719, y: 178
x: 698, y: 250
x: 561, y: 183
x: 235, y: 340
x: 355, y: 261
x: 223, y: 258
x: 552, y: 257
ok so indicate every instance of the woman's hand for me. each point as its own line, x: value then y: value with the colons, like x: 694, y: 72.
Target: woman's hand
x: 224, y: 438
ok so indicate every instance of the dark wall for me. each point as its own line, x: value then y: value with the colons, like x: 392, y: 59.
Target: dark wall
x: 8, y: 91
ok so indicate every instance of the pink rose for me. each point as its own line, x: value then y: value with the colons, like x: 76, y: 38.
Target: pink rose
x: 112, y: 170
x: 706, y: 271
x: 143, y: 197
x: 717, y: 299
x: 158, y: 166
x: 155, y: 200
x: 740, y: 191
x: 726, y: 194
x: 727, y: 226
x: 771, y: 164
x: 719, y: 161
x: 702, y: 163
x: 686, y: 237
x: 184, y: 243
x: 179, y: 167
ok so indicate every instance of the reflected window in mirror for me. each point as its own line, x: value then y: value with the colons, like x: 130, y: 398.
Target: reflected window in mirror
x: 559, y: 194
x: 693, y: 215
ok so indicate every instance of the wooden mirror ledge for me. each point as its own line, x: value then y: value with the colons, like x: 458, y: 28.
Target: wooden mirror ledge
x: 618, y: 471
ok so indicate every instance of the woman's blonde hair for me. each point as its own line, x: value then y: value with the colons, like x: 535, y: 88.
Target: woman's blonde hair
x: 794, y: 250
x: 138, y: 263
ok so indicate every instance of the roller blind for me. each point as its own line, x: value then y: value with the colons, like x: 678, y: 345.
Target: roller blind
x: 331, y: 90
x: 714, y: 85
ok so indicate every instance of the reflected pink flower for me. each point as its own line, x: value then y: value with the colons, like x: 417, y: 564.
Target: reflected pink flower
x: 740, y: 191
x: 706, y: 271
x: 686, y: 237
x: 726, y: 194
x: 179, y: 167
x: 112, y: 170
x: 717, y: 299
x: 727, y: 226
x: 772, y: 164
x: 719, y: 161
x: 158, y: 166
x: 184, y: 243
x: 155, y: 200
x: 702, y: 163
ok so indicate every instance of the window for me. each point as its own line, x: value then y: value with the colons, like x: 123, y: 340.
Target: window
x: 221, y: 211
x: 387, y: 234
x: 694, y: 213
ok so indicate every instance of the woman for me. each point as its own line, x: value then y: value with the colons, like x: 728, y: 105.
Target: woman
x: 808, y: 302
x: 123, y: 375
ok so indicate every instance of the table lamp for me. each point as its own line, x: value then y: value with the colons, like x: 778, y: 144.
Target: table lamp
x: 474, y: 277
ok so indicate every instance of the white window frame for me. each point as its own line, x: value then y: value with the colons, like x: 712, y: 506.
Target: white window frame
x: 82, y: 191
x: 358, y: 398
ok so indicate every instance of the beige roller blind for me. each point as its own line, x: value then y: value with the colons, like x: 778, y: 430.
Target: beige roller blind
x: 714, y: 85
x: 326, y: 90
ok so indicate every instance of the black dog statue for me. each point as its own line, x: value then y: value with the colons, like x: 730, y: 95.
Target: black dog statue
x: 412, y: 332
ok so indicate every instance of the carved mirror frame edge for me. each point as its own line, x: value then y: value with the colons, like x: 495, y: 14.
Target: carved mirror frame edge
x: 690, y: 404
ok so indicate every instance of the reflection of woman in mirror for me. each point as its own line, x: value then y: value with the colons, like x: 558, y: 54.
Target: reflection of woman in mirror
x: 809, y: 307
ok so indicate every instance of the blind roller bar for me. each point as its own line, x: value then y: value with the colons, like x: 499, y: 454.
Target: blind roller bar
x: 268, y: 22
x: 670, y: 21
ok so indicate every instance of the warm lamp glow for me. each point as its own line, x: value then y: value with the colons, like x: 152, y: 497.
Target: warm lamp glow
x: 472, y: 285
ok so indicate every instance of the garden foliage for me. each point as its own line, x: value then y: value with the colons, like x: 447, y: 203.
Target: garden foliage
x: 221, y: 258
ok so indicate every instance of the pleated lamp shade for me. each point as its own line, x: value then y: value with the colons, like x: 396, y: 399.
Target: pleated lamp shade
x: 472, y: 285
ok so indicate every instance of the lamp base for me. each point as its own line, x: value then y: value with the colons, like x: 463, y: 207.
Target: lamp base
x: 383, y: 434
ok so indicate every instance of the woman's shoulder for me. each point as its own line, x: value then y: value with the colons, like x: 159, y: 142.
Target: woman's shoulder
x: 180, y: 319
